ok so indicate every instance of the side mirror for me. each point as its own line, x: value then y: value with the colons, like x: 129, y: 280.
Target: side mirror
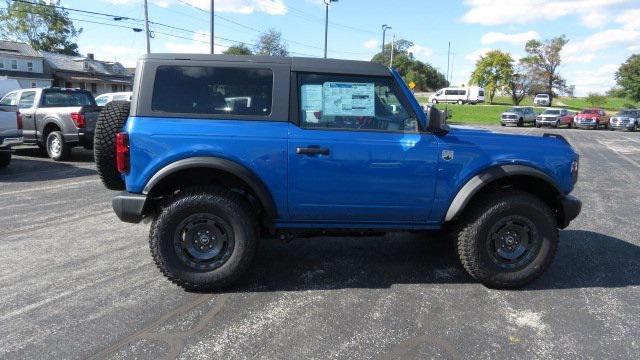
x: 437, y: 121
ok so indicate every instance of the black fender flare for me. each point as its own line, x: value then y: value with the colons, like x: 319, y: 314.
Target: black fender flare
x: 479, y: 181
x: 242, y: 172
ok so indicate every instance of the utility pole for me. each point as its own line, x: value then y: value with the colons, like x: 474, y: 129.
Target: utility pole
x: 393, y: 44
x: 326, y: 24
x: 146, y: 26
x: 212, y: 37
x: 448, y: 56
x: 385, y: 27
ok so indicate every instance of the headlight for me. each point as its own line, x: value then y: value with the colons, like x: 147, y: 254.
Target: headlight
x: 575, y: 167
x: 594, y: 119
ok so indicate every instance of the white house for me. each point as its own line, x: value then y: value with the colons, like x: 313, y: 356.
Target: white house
x: 21, y: 62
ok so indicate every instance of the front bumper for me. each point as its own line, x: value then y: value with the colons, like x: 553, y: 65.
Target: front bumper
x: 571, y: 207
x: 546, y: 122
x: 129, y: 207
x: 621, y: 125
x: 585, y: 123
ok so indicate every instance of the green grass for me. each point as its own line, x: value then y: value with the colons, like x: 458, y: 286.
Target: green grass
x: 490, y: 114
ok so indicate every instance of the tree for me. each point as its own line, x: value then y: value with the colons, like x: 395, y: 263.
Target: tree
x: 425, y: 76
x: 45, y: 28
x: 270, y: 43
x: 595, y: 99
x: 240, y: 49
x: 543, y: 60
x: 628, y: 77
x: 493, y: 71
x: 520, y: 84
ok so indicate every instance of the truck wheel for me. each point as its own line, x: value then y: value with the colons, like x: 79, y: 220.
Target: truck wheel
x: 57, y: 148
x: 460, y: 102
x: 204, y: 239
x: 508, y: 239
x: 110, y: 121
x: 5, y: 158
x: 634, y: 128
x: 520, y: 123
x: 434, y: 101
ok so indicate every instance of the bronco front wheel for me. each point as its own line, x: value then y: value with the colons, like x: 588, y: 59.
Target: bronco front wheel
x: 509, y: 239
x: 204, y: 239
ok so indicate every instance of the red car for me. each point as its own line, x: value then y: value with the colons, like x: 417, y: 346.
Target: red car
x: 592, y: 118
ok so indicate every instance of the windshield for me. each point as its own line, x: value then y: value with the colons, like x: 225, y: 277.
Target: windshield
x: 590, y: 111
x: 551, y: 112
x: 64, y: 98
x: 543, y: 96
x: 518, y: 110
x: 626, y: 113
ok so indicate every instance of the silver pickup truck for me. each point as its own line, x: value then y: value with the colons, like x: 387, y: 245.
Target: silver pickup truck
x: 56, y: 119
x: 10, y: 132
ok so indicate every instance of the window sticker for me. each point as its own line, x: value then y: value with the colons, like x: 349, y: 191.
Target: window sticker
x: 348, y: 99
x: 311, y: 97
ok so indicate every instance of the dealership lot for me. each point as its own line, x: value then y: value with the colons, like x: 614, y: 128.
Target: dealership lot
x: 75, y: 282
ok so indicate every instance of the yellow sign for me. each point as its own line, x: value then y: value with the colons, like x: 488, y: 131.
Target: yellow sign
x: 412, y: 85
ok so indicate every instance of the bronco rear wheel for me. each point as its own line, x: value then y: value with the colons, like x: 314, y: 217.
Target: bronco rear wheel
x: 508, y: 239
x: 110, y: 121
x: 204, y: 239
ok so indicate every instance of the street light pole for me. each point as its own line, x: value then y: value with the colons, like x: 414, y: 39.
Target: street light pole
x: 212, y: 37
x: 393, y: 44
x: 146, y: 26
x: 385, y: 27
x: 326, y: 24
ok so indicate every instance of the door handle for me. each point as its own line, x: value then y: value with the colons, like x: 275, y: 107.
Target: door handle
x: 312, y: 151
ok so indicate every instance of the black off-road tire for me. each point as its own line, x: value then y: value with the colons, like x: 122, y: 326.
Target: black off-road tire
x: 224, y: 204
x: 110, y: 121
x: 65, y: 148
x: 474, y: 237
x: 5, y: 158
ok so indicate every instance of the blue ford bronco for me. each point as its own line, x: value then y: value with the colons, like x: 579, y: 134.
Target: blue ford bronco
x: 220, y: 151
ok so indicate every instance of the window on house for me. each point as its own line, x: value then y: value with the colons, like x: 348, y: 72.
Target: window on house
x: 114, y: 88
x: 1, y: 64
x: 94, y: 88
x: 67, y: 85
x: 14, y: 64
x: 83, y: 86
x: 29, y: 66
x: 34, y: 84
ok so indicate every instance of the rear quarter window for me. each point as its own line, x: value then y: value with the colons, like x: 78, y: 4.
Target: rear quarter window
x: 209, y: 90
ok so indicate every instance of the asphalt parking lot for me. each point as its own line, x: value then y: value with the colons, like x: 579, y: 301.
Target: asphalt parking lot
x: 75, y: 282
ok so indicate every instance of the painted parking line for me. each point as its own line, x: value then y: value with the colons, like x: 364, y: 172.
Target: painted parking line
x: 624, y: 148
x: 45, y: 188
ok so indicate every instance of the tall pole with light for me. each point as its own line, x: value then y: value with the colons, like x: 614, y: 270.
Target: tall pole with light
x: 146, y: 26
x: 212, y: 37
x: 326, y: 24
x: 385, y: 27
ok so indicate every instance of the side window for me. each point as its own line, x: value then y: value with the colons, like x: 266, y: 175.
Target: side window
x: 9, y: 99
x: 26, y: 100
x: 352, y: 103
x: 212, y: 90
x: 450, y: 92
x: 462, y: 92
x: 120, y: 97
x: 102, y: 100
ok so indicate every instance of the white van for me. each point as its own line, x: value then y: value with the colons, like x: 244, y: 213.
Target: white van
x: 468, y: 95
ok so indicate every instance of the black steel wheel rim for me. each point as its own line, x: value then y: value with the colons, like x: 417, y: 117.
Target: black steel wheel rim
x: 204, y: 241
x: 513, y: 242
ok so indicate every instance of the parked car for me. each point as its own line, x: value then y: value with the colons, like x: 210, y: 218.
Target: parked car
x: 320, y: 152
x: 104, y: 99
x: 469, y: 95
x: 592, y: 118
x: 625, y: 119
x: 518, y: 116
x: 542, y: 100
x: 57, y: 119
x: 555, y: 118
x: 10, y: 130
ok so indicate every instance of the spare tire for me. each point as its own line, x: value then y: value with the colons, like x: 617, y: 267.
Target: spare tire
x: 110, y: 121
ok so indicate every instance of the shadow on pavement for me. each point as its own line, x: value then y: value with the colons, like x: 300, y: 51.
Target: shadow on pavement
x: 78, y: 154
x: 41, y: 169
x: 584, y: 259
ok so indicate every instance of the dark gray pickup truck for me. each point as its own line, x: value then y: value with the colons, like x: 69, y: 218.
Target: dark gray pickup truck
x: 56, y: 119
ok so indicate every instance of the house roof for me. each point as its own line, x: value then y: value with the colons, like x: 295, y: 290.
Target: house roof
x: 77, y: 64
x: 17, y: 48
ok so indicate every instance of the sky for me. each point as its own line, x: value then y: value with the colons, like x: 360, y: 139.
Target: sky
x: 602, y: 33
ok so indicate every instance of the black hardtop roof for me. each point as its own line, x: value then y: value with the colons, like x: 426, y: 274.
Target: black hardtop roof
x: 333, y: 66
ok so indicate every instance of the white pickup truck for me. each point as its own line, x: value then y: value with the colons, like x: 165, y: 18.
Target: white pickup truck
x: 10, y: 132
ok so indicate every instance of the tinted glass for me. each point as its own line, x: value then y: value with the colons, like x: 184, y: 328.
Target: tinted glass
x: 352, y: 102
x: 65, y: 98
x: 9, y: 99
x: 481, y: 93
x: 102, y: 100
x: 26, y: 100
x: 213, y: 90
